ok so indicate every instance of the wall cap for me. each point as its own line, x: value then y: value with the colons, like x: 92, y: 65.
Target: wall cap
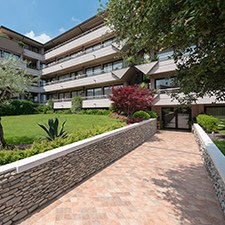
x: 215, y: 154
x: 33, y: 161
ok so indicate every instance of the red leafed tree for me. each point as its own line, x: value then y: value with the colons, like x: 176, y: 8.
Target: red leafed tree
x: 131, y: 99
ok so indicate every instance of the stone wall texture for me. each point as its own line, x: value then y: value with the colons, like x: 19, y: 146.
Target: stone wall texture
x: 217, y: 177
x: 23, y: 192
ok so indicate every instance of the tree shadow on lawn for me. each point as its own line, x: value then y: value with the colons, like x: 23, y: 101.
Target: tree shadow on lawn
x: 190, y: 193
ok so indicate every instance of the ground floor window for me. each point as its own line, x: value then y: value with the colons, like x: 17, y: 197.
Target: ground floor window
x: 217, y: 111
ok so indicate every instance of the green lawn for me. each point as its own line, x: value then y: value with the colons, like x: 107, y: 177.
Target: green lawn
x: 221, y: 145
x: 24, y: 129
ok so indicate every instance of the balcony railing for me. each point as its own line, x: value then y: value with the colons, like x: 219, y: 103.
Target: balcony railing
x: 84, y: 98
x: 75, y: 56
x: 167, y: 90
x: 79, y: 77
x: 74, y: 38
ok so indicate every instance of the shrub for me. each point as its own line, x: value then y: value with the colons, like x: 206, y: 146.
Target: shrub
x: 42, y: 109
x: 131, y: 99
x: 76, y: 104
x: 141, y: 115
x: 8, y: 156
x: 116, y: 116
x: 209, y: 123
x: 50, y: 104
x: 18, y: 107
x: 152, y: 114
x: 63, y: 111
x: 134, y: 120
x: 96, y: 111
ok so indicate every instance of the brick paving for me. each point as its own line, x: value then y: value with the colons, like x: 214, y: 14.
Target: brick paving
x: 162, y: 182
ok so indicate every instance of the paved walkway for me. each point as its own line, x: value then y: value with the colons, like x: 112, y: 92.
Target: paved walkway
x: 161, y: 182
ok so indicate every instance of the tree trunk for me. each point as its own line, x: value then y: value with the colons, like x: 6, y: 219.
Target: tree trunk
x: 2, y: 140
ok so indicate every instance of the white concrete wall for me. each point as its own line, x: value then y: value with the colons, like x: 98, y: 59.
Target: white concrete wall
x: 96, y: 103
x: 62, y: 105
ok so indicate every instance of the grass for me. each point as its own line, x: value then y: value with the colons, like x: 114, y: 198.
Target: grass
x: 24, y: 129
x: 221, y: 145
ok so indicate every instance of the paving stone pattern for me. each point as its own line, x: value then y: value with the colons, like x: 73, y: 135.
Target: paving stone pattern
x: 22, y: 193
x: 162, y: 182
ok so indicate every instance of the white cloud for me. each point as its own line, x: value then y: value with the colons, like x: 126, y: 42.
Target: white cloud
x: 75, y: 20
x: 41, y: 38
x: 62, y: 30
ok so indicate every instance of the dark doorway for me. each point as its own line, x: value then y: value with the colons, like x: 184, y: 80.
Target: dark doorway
x: 176, y: 118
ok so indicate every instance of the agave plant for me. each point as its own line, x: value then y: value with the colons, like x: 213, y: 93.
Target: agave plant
x: 52, y: 129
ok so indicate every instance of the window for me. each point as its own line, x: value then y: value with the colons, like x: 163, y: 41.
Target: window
x: 93, y: 71
x: 64, y: 77
x: 96, y: 47
x: 108, y: 42
x: 97, y: 70
x: 217, y: 111
x: 97, y: 91
x: 90, y: 92
x: 76, y: 93
x: 107, y: 90
x: 88, y: 50
x: 107, y: 67
x: 118, y: 65
x: 61, y: 95
x: 164, y: 83
x: 89, y: 72
x: 67, y: 95
x: 6, y: 54
x: 94, y: 92
x: 55, y: 96
x: 165, y: 55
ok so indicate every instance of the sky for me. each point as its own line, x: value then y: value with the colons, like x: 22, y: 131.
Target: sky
x: 44, y: 19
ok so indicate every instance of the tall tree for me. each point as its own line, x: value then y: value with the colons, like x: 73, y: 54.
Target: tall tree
x: 190, y: 27
x: 13, y: 80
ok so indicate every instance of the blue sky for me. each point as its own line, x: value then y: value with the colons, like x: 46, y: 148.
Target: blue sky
x: 45, y: 19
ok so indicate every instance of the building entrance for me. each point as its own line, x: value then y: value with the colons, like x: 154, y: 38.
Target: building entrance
x: 176, y: 118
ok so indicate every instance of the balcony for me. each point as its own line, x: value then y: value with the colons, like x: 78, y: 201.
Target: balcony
x: 81, y: 40
x: 163, y: 67
x: 33, y: 55
x: 80, y: 59
x: 84, y: 80
x: 97, y: 102
x: 33, y: 71
x: 100, y: 101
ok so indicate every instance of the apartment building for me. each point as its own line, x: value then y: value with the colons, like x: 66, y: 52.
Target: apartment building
x: 85, y: 61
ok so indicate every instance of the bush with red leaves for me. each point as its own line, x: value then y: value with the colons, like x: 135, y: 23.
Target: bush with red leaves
x: 133, y: 120
x: 131, y: 99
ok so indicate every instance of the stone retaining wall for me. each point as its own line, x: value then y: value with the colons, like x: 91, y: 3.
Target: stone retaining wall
x: 214, y: 161
x: 27, y: 184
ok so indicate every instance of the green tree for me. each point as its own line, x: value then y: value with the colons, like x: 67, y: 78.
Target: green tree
x: 76, y: 104
x: 13, y: 80
x: 189, y: 27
